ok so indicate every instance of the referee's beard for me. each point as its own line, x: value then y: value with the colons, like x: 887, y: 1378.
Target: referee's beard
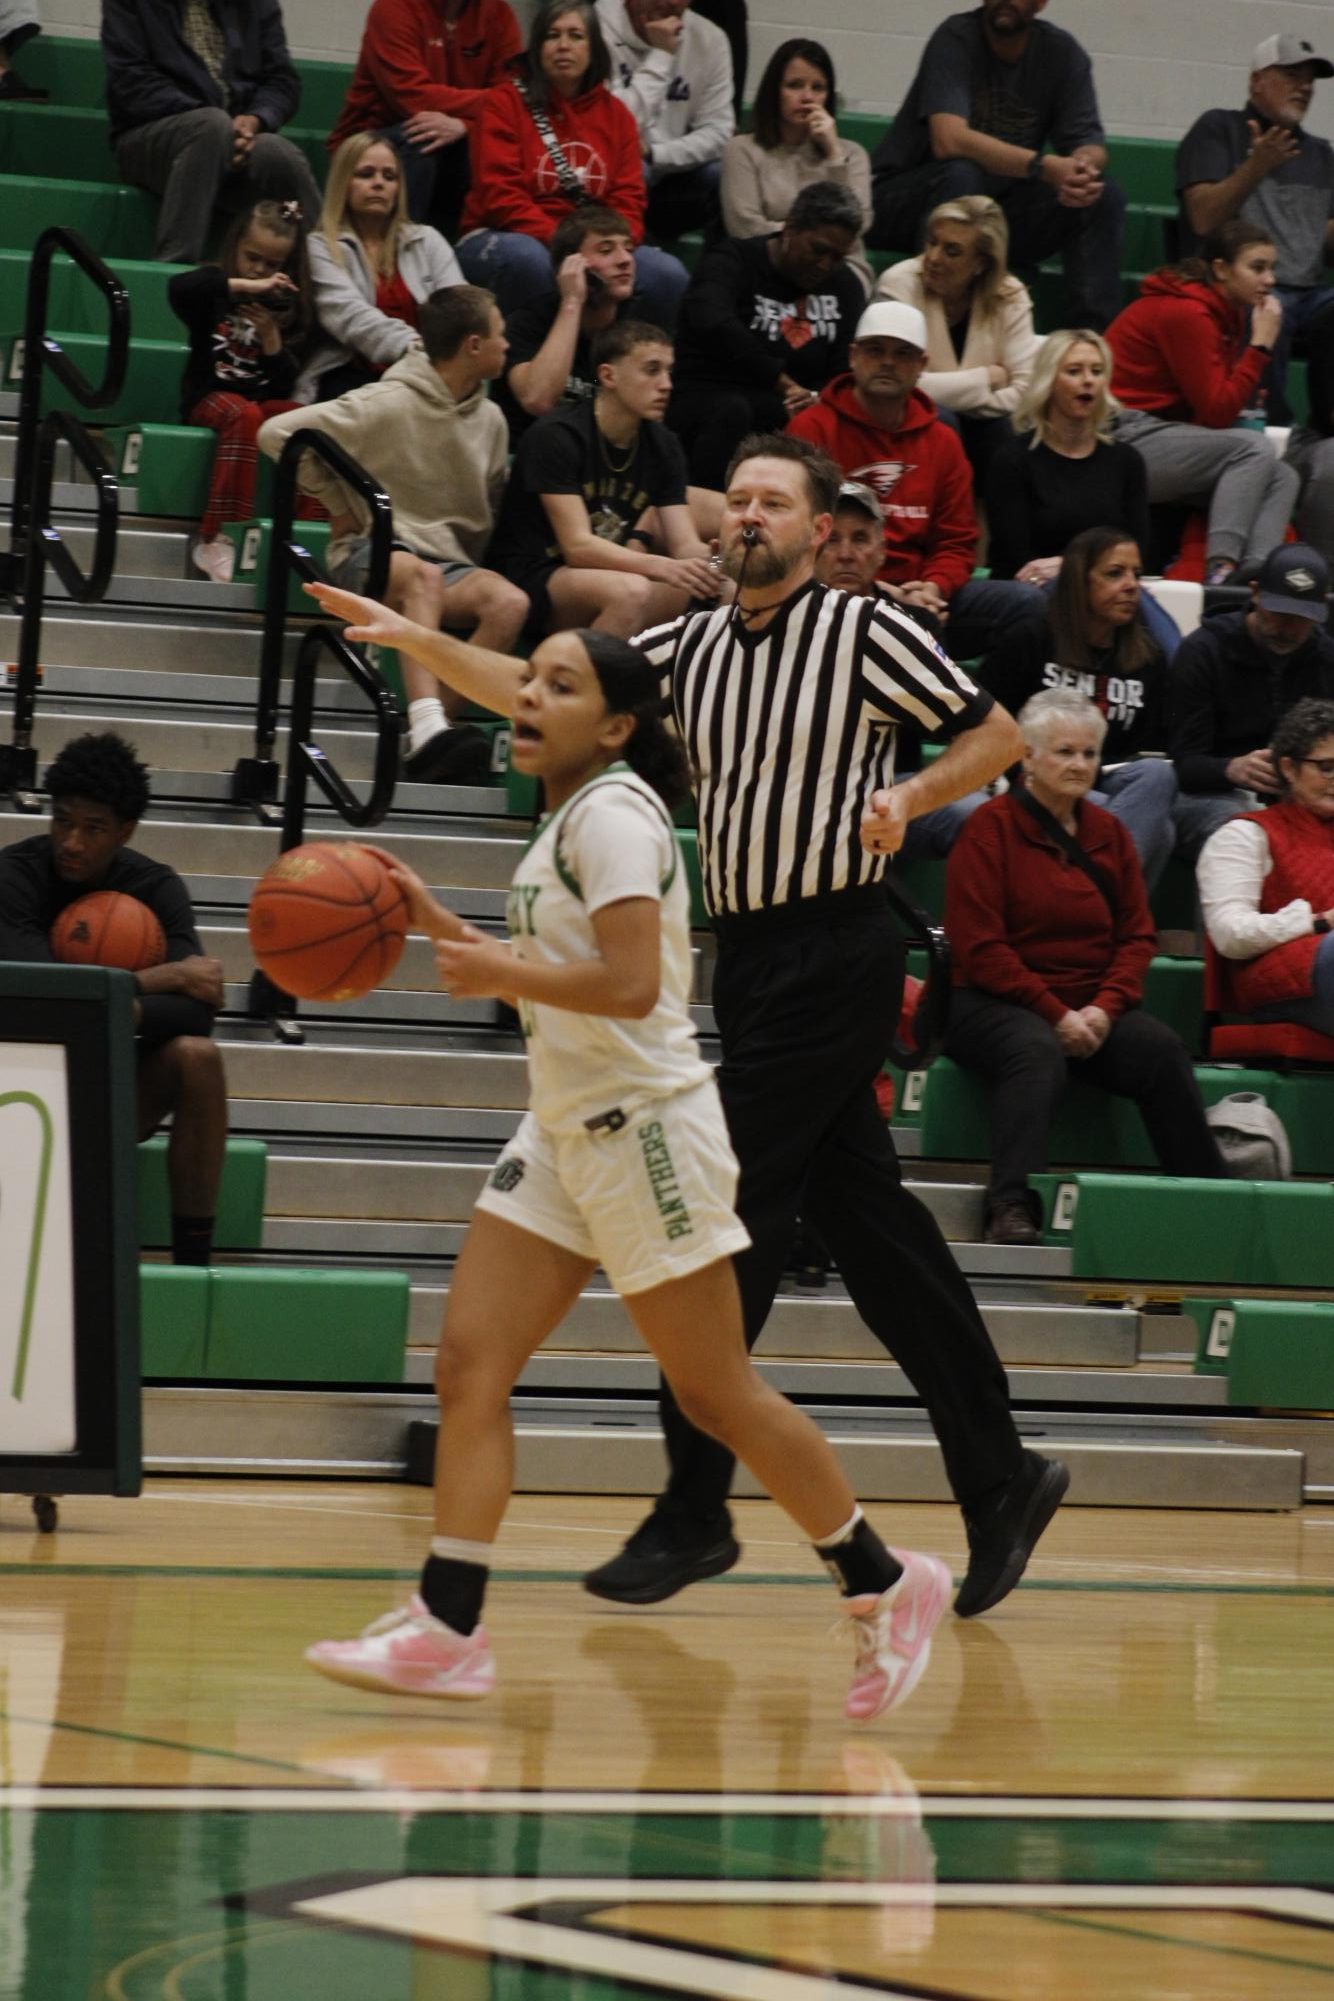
x: 760, y: 563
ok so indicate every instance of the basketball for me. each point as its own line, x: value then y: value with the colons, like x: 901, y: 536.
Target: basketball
x: 109, y: 929
x: 327, y: 922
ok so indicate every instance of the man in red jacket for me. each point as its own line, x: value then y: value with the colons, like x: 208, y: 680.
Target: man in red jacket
x: 424, y: 69
x: 879, y: 428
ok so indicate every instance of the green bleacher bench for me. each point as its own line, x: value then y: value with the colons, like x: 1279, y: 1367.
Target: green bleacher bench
x: 1275, y: 1353
x: 1304, y: 1100
x: 253, y: 543
x: 240, y: 1217
x: 173, y: 1319
x: 274, y: 1324
x: 1177, y: 1230
x: 279, y: 1325
x: 116, y: 221
x: 152, y: 387
x: 77, y: 306
x: 169, y: 466
x: 71, y: 68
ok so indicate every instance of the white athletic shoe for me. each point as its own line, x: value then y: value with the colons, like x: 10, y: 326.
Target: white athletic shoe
x: 892, y: 1634
x: 408, y: 1652
x: 217, y: 559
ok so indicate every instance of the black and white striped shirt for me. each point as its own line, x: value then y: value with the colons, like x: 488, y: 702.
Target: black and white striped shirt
x: 790, y: 730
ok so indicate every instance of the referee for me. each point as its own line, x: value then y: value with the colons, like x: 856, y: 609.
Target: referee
x: 788, y: 702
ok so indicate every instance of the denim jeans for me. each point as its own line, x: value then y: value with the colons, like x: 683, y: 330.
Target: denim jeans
x: 517, y: 269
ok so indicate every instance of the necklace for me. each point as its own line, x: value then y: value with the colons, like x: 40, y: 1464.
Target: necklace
x: 604, y: 447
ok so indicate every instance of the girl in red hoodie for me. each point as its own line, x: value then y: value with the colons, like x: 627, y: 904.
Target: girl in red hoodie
x: 544, y: 143
x: 1189, y: 356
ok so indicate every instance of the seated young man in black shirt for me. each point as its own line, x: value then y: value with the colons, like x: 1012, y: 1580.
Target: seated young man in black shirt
x: 550, y: 360
x: 595, y: 524
x: 99, y: 792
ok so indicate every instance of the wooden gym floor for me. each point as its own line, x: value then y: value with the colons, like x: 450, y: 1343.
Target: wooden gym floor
x: 1119, y: 1787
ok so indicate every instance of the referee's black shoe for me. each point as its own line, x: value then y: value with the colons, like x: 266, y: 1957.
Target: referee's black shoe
x: 1004, y: 1530
x: 661, y: 1558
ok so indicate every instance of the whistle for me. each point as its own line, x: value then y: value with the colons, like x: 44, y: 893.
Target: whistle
x: 750, y: 535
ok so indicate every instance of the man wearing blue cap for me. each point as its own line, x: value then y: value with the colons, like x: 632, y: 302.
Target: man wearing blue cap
x: 1234, y: 677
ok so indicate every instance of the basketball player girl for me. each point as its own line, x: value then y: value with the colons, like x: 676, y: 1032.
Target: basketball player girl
x: 622, y: 1160
x: 248, y: 317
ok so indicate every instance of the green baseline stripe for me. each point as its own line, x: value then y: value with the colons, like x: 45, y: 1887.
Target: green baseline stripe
x: 371, y: 1574
x: 1105, y: 1925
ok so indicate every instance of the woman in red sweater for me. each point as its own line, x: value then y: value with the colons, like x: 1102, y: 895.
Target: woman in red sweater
x: 1050, y: 954
x: 1189, y: 356
x: 545, y: 143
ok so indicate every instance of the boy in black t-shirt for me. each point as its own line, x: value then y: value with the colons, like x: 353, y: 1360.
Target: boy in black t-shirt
x: 99, y: 791
x: 595, y: 525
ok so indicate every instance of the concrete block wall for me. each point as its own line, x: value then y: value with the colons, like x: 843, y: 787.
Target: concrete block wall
x: 1158, y: 63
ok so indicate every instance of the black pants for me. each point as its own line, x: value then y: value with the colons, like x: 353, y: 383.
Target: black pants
x: 1087, y: 239
x: 1028, y: 1070
x: 712, y: 422
x: 806, y: 1009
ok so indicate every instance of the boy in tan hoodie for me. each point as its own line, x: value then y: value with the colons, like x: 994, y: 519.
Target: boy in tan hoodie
x: 437, y: 445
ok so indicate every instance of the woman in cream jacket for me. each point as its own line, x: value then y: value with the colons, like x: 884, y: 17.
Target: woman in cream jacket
x: 979, y: 319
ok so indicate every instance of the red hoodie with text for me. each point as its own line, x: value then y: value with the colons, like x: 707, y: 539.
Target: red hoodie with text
x: 514, y: 181
x: 1181, y: 352
x: 920, y: 474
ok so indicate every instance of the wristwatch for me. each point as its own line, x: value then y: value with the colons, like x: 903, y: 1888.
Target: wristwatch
x: 1321, y: 926
x: 1033, y: 171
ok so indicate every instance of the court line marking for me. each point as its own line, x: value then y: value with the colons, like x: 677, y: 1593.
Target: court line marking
x: 871, y: 1806
x: 52, y: 1723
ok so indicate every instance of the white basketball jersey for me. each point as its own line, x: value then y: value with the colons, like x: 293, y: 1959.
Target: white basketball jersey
x: 612, y: 840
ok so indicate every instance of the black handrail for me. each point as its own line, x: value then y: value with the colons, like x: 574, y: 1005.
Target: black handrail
x: 255, y: 779
x: 34, y: 542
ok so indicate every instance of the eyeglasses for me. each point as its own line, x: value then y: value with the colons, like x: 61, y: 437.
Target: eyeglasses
x: 1324, y: 765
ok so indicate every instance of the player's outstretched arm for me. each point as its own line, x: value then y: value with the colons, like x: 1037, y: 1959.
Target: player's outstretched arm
x: 489, y: 679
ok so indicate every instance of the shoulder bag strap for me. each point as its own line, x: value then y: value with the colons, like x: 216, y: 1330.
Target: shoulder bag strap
x: 1070, y: 848
x: 570, y: 182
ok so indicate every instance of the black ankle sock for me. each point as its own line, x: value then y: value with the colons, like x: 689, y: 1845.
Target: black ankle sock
x: 453, y: 1591
x: 860, y: 1563
x: 191, y: 1239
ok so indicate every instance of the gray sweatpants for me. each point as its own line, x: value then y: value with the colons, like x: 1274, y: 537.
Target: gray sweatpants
x: 1312, y: 458
x: 1249, y: 493
x: 187, y: 159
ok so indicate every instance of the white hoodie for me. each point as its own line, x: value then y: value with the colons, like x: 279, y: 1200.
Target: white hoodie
x: 441, y: 462
x: 681, y: 103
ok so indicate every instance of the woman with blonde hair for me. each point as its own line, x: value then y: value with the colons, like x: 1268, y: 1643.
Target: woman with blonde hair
x: 1064, y: 472
x: 979, y: 322
x: 371, y: 268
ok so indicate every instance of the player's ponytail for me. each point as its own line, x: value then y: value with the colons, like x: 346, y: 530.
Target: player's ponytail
x: 631, y: 688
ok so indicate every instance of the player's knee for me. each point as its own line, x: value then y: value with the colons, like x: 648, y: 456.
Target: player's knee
x: 506, y: 607
x: 197, y: 1063
x: 633, y: 593
x: 702, y: 1402
x: 463, y: 1369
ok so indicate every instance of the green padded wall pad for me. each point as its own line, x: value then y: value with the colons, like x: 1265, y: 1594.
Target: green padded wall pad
x: 1091, y: 1128
x: 1175, y: 1230
x: 173, y: 1319
x: 240, y: 1220
x: 1281, y: 1356
x: 1304, y: 1100
x: 307, y: 1326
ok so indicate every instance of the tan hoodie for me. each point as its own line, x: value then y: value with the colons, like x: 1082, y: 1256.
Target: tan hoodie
x: 441, y: 462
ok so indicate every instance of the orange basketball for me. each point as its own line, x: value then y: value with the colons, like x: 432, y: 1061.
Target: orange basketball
x: 327, y: 922
x: 108, y: 929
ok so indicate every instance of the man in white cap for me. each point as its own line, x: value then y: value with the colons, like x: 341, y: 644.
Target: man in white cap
x: 1260, y: 163
x: 881, y: 430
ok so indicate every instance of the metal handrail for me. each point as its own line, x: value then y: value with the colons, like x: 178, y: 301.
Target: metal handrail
x: 255, y: 779
x: 34, y: 541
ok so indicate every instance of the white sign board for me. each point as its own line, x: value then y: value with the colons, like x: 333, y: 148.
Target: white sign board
x: 37, y: 1413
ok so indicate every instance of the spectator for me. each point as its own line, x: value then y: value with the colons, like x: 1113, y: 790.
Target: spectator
x: 424, y: 70
x: 1233, y: 680
x: 370, y: 270
x: 994, y: 89
x: 1260, y: 165
x: 428, y: 432
x: 1070, y: 473
x: 980, y: 343
x: 878, y: 427
x: 850, y: 561
x: 247, y: 316
x: 196, y: 96
x: 1310, y: 450
x: 99, y: 793
x: 793, y: 140
x: 734, y: 20
x: 548, y: 141
x: 590, y: 481
x: 763, y: 327
x: 1097, y: 642
x: 19, y: 23
x: 1267, y: 884
x: 1052, y: 936
x: 551, y: 340
x: 1187, y: 358
x: 672, y: 70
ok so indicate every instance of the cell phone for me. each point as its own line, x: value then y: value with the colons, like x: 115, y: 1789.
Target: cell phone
x: 594, y: 284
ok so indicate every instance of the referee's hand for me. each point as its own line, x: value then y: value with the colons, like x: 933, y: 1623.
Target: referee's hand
x: 886, y: 823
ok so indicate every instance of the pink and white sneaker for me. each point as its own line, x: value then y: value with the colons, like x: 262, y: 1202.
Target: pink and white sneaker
x: 409, y: 1652
x: 892, y: 1635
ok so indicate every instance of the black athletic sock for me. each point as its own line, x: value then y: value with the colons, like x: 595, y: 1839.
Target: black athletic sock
x: 191, y: 1239
x: 453, y: 1592
x: 858, y: 1561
